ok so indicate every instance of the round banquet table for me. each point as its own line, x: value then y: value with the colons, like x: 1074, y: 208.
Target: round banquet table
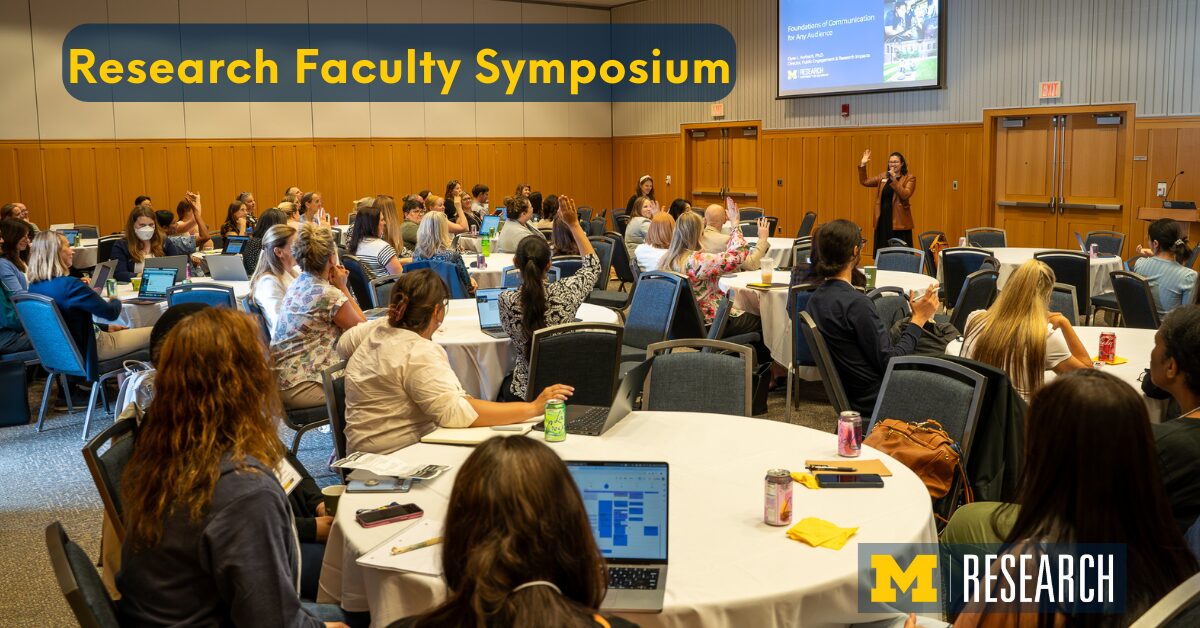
x: 726, y: 567
x: 1010, y: 257
x: 488, y: 277
x: 771, y: 305
x: 145, y: 315
x: 85, y: 253
x: 479, y: 360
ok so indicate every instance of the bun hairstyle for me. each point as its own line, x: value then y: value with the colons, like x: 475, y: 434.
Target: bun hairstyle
x: 836, y: 240
x: 416, y: 296
x: 1170, y: 236
x: 516, y: 205
x: 313, y: 248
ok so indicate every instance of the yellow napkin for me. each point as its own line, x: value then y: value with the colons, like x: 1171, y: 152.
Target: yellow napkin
x: 820, y: 533
x: 1115, y: 361
x: 807, y: 479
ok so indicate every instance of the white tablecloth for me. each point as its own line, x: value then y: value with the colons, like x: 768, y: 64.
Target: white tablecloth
x: 771, y: 305
x: 85, y: 254
x: 145, y: 315
x: 490, y: 276
x: 479, y: 360
x: 1012, y: 257
x: 726, y: 567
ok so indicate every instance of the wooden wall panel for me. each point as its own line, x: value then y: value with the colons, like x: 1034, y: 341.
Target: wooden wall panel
x: 655, y: 155
x: 1169, y: 145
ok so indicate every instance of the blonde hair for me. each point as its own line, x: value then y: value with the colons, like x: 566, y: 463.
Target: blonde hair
x: 313, y: 248
x: 662, y: 227
x: 431, y: 202
x: 433, y: 234
x: 45, y: 263
x: 1011, y: 335
x: 393, y: 231
x: 289, y: 209
x: 684, y: 242
x: 268, y: 263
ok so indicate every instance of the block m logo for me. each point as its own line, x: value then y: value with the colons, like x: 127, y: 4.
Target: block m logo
x: 889, y: 573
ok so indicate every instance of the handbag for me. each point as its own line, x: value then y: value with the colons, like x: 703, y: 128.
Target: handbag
x: 926, y: 449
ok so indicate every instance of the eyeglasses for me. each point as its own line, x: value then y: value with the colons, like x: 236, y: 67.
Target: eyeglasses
x: 862, y: 241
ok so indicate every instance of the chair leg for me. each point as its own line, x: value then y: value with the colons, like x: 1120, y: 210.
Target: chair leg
x: 66, y: 388
x: 45, y: 400
x: 87, y: 419
x: 787, y: 412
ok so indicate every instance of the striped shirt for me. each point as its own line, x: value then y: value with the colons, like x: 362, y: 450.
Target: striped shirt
x: 1171, y: 283
x: 375, y: 254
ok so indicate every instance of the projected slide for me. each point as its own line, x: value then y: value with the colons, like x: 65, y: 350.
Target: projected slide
x: 857, y: 45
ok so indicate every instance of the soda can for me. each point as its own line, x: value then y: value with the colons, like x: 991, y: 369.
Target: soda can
x: 849, y: 432
x: 1094, y: 250
x: 110, y: 288
x: 555, y: 419
x: 1108, y: 346
x: 777, y: 498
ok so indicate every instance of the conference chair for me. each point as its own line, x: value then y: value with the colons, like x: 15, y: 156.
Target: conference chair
x: 61, y: 357
x: 1107, y: 242
x: 381, y: 290
x: 596, y: 226
x: 104, y: 247
x: 359, y: 279
x: 1062, y: 301
x: 651, y: 313
x: 304, y: 420
x: 900, y: 258
x: 801, y: 355
x: 218, y: 240
x: 806, y: 225
x: 824, y: 363
x: 772, y: 224
x: 87, y: 232
x: 546, y: 233
x: 1178, y: 609
x: 106, y: 467
x: 213, y: 294
x: 584, y: 355
x: 801, y: 252
x: 622, y: 222
x: 1074, y: 268
x: 79, y: 581
x: 1191, y: 261
x: 1135, y: 300
x: 252, y: 309
x: 333, y: 381
x: 891, y: 303
x: 584, y: 213
x: 750, y: 214
x: 613, y: 215
x: 616, y: 300
x: 897, y: 242
x: 987, y: 237
x: 926, y: 240
x: 511, y: 276
x: 705, y: 379
x: 721, y: 317
x: 621, y: 261
x: 449, y: 274
x: 567, y: 265
x: 977, y: 293
x: 956, y: 264
x: 749, y: 228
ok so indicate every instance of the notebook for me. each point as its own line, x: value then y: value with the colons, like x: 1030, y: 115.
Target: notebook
x: 426, y: 560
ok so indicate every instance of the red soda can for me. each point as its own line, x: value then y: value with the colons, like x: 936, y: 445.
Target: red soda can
x: 1108, y: 346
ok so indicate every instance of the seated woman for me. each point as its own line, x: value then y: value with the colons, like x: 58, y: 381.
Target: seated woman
x: 236, y: 220
x: 14, y: 254
x: 312, y: 209
x: 190, y: 223
x: 433, y: 244
x: 562, y: 239
x: 537, y: 303
x: 517, y: 227
x: 1019, y: 334
x: 649, y: 254
x: 858, y: 342
x: 457, y: 207
x: 275, y: 272
x: 527, y: 494
x: 143, y: 238
x: 549, y: 211
x: 1171, y: 283
x: 1175, y: 368
x: 315, y: 310
x: 253, y: 246
x: 292, y: 211
x: 49, y: 275
x: 645, y: 209
x: 704, y: 272
x: 399, y: 384
x: 369, y: 246
x: 678, y: 206
x: 414, y: 213
x: 1089, y: 477
x: 209, y: 536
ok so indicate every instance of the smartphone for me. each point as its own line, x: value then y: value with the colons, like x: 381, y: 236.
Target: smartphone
x: 849, y: 480
x: 372, y: 517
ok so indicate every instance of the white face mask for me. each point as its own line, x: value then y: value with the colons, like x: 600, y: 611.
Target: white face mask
x: 144, y: 233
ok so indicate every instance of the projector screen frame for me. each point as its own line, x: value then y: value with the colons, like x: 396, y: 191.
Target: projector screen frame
x: 941, y: 56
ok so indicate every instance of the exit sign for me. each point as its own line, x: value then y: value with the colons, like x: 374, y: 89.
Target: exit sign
x: 717, y: 110
x: 1049, y: 89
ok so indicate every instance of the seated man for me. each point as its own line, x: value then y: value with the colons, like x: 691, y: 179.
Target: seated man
x: 1175, y: 368
x: 714, y: 240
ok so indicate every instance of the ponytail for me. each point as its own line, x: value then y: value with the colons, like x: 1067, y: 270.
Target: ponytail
x: 836, y: 241
x: 1170, y: 237
x: 416, y: 296
x: 531, y: 259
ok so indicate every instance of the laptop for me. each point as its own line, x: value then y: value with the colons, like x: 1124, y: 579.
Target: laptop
x: 234, y: 244
x: 487, y: 302
x: 101, y: 275
x: 227, y: 268
x: 70, y: 235
x: 490, y: 224
x: 155, y: 284
x: 178, y: 262
x: 626, y: 504
x: 596, y: 420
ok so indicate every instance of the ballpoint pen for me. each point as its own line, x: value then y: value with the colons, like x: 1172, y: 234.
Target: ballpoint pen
x: 825, y: 467
x: 416, y: 546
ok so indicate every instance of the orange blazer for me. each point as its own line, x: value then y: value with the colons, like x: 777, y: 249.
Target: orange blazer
x: 902, y: 191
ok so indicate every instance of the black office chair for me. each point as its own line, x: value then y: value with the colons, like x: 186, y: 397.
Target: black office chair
x: 586, y: 356
x: 824, y: 361
x: 987, y: 237
x: 957, y: 263
x: 806, y: 225
x: 978, y: 292
x: 359, y: 279
x: 1135, y: 299
x: 79, y: 581
x: 1073, y: 268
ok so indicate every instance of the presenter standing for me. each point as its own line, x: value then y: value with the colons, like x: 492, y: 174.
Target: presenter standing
x: 893, y: 214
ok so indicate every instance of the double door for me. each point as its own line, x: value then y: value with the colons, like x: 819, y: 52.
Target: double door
x: 722, y: 160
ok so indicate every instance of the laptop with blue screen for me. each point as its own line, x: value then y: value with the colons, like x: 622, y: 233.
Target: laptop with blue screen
x: 155, y: 284
x: 626, y: 504
x: 490, y: 224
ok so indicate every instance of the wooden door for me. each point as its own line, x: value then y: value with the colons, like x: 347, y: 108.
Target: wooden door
x: 741, y: 181
x: 721, y: 160
x: 1091, y: 187
x: 1026, y: 160
x: 706, y: 166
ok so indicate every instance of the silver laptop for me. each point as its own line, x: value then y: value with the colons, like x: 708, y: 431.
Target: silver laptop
x: 226, y: 267
x: 596, y: 420
x: 626, y: 504
x: 101, y: 274
x: 487, y: 302
x: 178, y: 262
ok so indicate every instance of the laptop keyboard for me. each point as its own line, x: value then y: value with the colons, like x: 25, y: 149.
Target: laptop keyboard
x: 633, y: 578
x: 589, y: 423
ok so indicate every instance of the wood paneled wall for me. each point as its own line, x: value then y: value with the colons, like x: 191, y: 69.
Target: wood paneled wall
x: 1169, y: 145
x: 659, y: 156
x: 95, y: 182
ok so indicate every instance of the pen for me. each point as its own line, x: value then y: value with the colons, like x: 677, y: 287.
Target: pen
x: 506, y: 428
x: 825, y: 467
x: 416, y: 546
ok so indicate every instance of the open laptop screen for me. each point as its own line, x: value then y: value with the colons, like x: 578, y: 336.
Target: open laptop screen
x: 234, y: 244
x: 487, y: 301
x: 156, y: 282
x: 626, y: 504
x: 490, y: 224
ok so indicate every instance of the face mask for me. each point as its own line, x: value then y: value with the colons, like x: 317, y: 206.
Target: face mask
x: 144, y: 233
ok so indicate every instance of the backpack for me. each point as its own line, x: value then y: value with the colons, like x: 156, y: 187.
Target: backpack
x: 938, y: 335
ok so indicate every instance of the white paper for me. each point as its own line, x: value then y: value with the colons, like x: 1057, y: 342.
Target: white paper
x: 389, y: 466
x: 427, y: 560
x: 473, y: 435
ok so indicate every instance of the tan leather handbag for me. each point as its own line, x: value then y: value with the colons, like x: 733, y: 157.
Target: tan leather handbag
x: 925, y: 448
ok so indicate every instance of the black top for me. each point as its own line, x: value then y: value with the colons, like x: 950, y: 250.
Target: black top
x: 126, y: 263
x: 859, y: 345
x: 1178, y: 444
x: 613, y: 622
x: 304, y: 500
x: 250, y: 252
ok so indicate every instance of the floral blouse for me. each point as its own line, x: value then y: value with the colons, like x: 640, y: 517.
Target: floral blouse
x: 305, y: 338
x: 704, y: 270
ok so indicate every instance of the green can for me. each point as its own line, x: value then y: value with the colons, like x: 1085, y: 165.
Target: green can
x: 110, y: 288
x: 556, y: 421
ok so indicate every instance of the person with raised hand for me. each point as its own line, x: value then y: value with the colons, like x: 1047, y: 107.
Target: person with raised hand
x: 714, y: 239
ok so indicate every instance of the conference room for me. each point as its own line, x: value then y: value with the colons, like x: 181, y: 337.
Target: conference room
x: 600, y: 313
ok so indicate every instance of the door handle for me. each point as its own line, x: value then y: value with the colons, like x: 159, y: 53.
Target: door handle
x: 1098, y: 206
x: 1049, y: 203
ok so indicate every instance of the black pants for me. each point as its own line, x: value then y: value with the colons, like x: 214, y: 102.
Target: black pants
x: 747, y: 323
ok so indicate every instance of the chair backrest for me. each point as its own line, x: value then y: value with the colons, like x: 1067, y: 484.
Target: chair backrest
x: 956, y: 263
x: 806, y: 225
x: 546, y: 232
x: 749, y: 228
x: 717, y: 329
x: 218, y: 240
x: 621, y: 259
x: 798, y: 298
x: 750, y: 213
x: 977, y: 293
x: 359, y: 279
x: 1191, y: 261
x: 604, y: 251
x: 1179, y: 608
x: 567, y: 265
x: 688, y: 321
x: 705, y: 380
x: 381, y: 290
x: 79, y: 581
x: 801, y: 252
x: 87, y: 232
x: 584, y: 355
x: 584, y: 213
x: 772, y: 224
x: 1062, y: 301
x: 917, y: 388
x: 212, y: 294
x: 926, y: 240
x: 1135, y: 300
x: 987, y: 237
x: 104, y: 247
x: 1107, y: 242
x: 254, y: 310
x: 106, y: 467
x: 897, y: 242
x: 333, y: 380
x: 511, y: 276
x: 48, y: 333
x: 622, y: 222
x: 820, y: 353
x: 652, y: 308
x: 596, y: 226
x: 613, y: 215
x: 900, y: 258
x: 447, y: 271
x: 1074, y: 268
x: 891, y: 303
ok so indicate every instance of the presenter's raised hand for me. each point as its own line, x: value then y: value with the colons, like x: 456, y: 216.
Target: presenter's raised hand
x: 865, y: 158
